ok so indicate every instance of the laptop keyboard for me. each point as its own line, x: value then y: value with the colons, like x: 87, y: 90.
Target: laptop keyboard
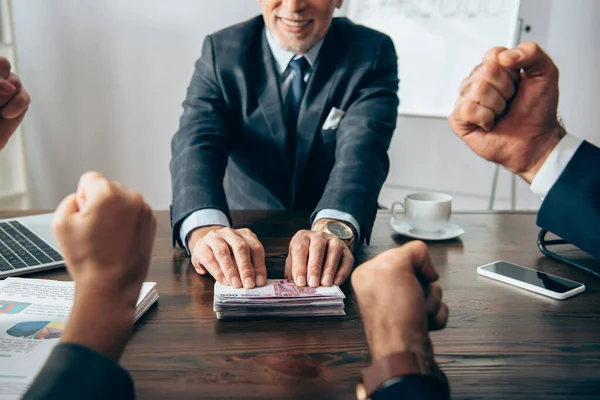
x: 21, y: 248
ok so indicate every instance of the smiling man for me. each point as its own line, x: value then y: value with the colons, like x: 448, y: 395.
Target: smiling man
x: 299, y: 108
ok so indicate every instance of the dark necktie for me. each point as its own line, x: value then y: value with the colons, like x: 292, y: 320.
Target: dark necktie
x: 294, y: 99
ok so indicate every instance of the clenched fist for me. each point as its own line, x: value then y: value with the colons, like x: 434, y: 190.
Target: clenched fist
x: 507, y: 109
x: 106, y: 233
x: 14, y: 102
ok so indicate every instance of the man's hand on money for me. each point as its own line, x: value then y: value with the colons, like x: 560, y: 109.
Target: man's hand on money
x: 318, y: 259
x: 234, y: 257
x: 399, y: 300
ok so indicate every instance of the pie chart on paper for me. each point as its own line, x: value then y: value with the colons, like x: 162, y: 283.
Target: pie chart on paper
x: 37, y: 330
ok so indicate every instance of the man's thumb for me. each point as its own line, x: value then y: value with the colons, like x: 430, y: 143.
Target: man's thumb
x: 531, y: 58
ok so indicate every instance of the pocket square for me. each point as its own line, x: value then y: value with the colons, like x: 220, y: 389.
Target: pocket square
x: 333, y: 119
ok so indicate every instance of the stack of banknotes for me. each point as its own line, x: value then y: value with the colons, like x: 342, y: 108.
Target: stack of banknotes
x: 278, y: 298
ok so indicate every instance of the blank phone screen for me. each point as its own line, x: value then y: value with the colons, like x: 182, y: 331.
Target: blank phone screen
x: 532, y: 277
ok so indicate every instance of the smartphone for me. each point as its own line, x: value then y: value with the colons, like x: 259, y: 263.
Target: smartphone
x: 532, y: 280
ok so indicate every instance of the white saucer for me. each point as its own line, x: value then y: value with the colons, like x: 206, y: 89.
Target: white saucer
x: 402, y: 226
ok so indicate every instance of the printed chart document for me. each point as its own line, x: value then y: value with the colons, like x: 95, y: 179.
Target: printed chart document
x: 278, y: 298
x: 33, y: 314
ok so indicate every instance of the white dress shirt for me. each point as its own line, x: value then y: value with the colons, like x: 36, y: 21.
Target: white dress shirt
x: 211, y: 216
x: 554, y: 166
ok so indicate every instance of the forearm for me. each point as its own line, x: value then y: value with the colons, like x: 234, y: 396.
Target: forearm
x: 101, y: 320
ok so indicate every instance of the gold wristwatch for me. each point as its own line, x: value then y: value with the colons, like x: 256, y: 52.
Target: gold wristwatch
x: 339, y: 229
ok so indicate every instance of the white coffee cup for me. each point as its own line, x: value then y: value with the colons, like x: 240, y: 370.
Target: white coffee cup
x: 425, y: 212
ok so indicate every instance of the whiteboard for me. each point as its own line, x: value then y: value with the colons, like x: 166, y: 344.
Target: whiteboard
x: 438, y: 43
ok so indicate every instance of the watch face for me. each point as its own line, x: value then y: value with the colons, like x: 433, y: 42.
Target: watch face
x: 340, y: 230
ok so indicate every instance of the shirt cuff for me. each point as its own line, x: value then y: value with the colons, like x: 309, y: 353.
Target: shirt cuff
x: 555, y: 165
x: 342, y: 216
x: 200, y: 218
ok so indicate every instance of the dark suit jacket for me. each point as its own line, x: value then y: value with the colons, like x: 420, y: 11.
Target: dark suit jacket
x: 571, y: 209
x: 74, y: 372
x: 233, y: 118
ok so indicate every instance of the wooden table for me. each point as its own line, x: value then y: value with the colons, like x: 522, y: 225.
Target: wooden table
x: 501, y: 342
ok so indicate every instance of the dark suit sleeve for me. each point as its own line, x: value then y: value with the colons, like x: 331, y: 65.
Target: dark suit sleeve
x: 76, y: 372
x: 571, y: 209
x: 363, y: 138
x: 412, y: 387
x: 200, y: 148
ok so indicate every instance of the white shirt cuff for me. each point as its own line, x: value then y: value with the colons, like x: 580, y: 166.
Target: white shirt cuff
x: 342, y: 216
x: 200, y: 218
x: 555, y: 165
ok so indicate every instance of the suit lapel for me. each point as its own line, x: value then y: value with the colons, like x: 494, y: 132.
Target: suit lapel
x: 269, y: 95
x: 315, y: 103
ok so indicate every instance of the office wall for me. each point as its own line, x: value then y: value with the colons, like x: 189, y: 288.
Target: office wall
x: 108, y: 78
x: 574, y: 43
x: 427, y: 156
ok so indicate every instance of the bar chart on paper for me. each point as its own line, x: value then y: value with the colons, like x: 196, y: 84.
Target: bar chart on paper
x: 438, y: 43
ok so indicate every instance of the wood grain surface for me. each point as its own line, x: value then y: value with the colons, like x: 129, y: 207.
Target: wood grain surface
x: 501, y: 342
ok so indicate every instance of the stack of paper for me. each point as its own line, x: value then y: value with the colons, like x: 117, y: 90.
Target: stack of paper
x: 33, y: 316
x: 278, y: 298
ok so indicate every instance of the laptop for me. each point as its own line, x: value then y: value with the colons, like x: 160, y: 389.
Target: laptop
x: 27, y: 245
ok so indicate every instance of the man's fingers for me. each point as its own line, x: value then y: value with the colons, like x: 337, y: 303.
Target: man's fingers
x: 530, y: 57
x: 198, y: 266
x: 241, y: 255
x: 65, y: 209
x: 153, y: 224
x: 433, y: 302
x: 335, y: 251
x: 492, y: 54
x: 134, y: 199
x: 421, y: 260
x: 287, y: 274
x: 92, y: 187
x: 7, y: 91
x: 441, y: 319
x: 316, y: 254
x: 492, y: 57
x: 413, y: 257
x: 203, y: 254
x: 257, y: 253
x: 299, y: 253
x: 146, y: 231
x: 345, y: 267
x: 469, y: 113
x: 15, y: 104
x: 502, y: 79
x: 483, y: 93
x: 7, y: 128
x: 4, y: 67
x: 222, y: 254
